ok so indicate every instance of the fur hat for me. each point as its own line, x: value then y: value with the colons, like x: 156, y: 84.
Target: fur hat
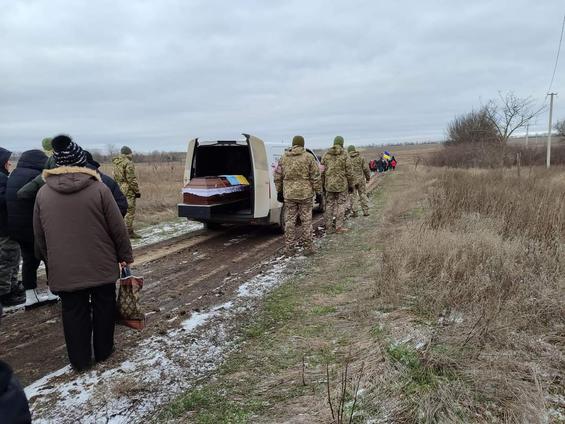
x: 66, y: 152
x: 125, y: 150
x: 298, y: 140
x: 338, y: 141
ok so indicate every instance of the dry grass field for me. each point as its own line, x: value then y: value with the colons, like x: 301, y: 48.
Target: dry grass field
x: 160, y: 184
x: 445, y: 305
x: 484, y: 265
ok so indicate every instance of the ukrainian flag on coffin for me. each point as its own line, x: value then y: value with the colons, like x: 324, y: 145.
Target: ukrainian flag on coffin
x: 387, y: 155
x: 236, y: 179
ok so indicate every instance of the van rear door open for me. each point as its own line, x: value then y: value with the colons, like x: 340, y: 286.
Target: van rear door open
x: 261, y: 169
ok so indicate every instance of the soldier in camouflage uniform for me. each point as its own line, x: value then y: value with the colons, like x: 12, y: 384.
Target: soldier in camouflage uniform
x: 297, y: 180
x: 361, y: 176
x: 337, y: 177
x: 124, y: 174
x: 11, y: 293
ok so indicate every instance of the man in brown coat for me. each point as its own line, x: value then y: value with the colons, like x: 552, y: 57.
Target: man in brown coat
x: 80, y: 233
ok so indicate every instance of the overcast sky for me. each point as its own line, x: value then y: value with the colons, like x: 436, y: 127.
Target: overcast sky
x: 153, y: 74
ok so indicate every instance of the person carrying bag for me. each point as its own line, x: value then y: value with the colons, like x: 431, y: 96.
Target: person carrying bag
x: 80, y: 233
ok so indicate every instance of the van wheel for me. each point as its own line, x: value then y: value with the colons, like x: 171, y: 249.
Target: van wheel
x: 212, y: 226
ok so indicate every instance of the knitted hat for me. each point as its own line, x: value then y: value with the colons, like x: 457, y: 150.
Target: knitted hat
x: 298, y: 140
x: 46, y: 144
x: 351, y: 148
x: 66, y: 152
x: 126, y: 151
x: 338, y: 141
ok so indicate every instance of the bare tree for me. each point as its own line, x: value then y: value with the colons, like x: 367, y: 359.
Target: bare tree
x: 111, y: 149
x: 560, y: 127
x: 510, y: 113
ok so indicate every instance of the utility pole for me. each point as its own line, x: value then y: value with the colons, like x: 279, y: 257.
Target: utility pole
x: 527, y: 133
x: 548, y: 158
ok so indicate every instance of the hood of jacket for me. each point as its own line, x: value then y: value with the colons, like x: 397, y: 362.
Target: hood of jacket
x: 121, y: 159
x: 32, y: 159
x: 295, y: 151
x: 354, y: 154
x: 4, y: 157
x: 70, y: 179
x: 335, y: 150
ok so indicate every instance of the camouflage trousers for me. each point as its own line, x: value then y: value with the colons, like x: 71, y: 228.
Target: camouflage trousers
x: 301, y: 209
x: 9, y: 264
x: 130, y: 215
x: 336, y: 203
x: 359, y: 195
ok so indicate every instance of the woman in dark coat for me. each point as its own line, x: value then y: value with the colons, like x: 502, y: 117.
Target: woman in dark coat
x: 20, y: 223
x: 80, y: 231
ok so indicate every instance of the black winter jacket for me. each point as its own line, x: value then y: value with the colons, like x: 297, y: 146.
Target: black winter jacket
x: 20, y: 212
x: 119, y: 197
x: 116, y: 192
x: 3, y: 210
x: 14, y: 408
x: 4, y: 157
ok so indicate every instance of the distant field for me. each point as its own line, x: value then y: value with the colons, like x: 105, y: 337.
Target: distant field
x: 160, y: 185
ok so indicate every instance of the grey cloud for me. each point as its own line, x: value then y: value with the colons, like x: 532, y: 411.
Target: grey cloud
x: 154, y: 74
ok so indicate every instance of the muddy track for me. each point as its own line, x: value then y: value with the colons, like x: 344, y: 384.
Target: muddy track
x: 183, y: 274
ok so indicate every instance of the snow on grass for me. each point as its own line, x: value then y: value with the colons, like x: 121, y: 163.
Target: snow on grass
x: 158, y: 369
x: 165, y: 230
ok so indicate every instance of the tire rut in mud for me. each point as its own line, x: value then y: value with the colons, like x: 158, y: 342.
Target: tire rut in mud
x: 189, y: 279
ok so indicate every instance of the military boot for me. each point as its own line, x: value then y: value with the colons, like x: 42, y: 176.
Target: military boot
x: 133, y: 235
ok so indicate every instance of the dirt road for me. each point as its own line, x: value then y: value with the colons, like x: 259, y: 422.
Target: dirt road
x: 182, y: 275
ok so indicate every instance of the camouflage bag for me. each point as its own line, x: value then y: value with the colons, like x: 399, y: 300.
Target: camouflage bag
x: 128, y: 305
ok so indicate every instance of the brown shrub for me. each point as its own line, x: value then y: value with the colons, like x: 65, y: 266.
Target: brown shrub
x: 489, y: 155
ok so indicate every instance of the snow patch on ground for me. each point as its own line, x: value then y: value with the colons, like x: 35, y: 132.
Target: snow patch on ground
x: 158, y: 369
x: 165, y: 230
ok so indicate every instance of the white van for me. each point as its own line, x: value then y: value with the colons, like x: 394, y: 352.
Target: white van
x: 250, y: 157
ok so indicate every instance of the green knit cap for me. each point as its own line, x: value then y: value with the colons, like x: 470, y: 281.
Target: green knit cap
x: 351, y: 148
x: 298, y: 140
x: 46, y: 144
x: 338, y: 141
x: 126, y: 150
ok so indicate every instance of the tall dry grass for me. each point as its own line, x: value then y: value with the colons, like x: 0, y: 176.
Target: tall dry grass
x: 160, y: 185
x: 485, y: 267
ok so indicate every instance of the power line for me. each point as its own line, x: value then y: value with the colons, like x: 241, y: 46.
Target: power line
x: 556, y: 58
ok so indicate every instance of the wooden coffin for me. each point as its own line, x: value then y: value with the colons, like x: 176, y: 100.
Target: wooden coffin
x: 214, y: 191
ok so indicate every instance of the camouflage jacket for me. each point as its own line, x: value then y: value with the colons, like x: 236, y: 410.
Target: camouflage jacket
x: 361, y: 172
x: 297, y: 175
x: 337, y: 174
x: 124, y: 174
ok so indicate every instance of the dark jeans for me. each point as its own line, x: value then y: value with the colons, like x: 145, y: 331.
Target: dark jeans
x: 88, y: 319
x: 29, y: 264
